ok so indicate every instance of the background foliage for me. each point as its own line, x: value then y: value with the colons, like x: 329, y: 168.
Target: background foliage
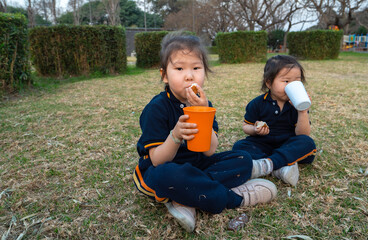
x: 148, y: 46
x: 39, y: 20
x: 317, y: 45
x: 73, y: 50
x: 275, y: 38
x: 130, y: 15
x: 14, y: 53
x: 242, y: 46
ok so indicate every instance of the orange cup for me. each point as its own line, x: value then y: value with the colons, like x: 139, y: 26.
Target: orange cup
x: 203, y: 117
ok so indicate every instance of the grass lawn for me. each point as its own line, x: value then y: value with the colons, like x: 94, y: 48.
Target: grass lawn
x: 68, y: 149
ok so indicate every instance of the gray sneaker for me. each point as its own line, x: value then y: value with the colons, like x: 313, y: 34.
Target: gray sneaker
x: 261, y: 167
x: 183, y: 214
x: 288, y: 174
x: 256, y: 191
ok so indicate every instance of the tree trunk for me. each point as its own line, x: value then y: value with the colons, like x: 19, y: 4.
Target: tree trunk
x: 53, y: 10
x: 112, y: 8
x: 31, y: 14
x: 3, y: 6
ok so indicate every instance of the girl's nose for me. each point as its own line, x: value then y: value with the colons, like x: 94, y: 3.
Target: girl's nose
x: 189, y: 75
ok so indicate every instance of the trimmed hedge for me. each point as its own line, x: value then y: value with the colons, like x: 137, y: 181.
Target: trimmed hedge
x: 14, y: 52
x: 212, y: 50
x: 242, y: 46
x: 315, y: 45
x: 147, y: 47
x: 78, y: 50
x: 275, y: 39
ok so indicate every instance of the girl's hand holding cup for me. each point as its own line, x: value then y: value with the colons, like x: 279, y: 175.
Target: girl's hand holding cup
x: 184, y: 130
x: 298, y: 95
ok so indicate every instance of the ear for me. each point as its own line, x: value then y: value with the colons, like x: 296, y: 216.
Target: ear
x: 268, y: 84
x: 163, y: 76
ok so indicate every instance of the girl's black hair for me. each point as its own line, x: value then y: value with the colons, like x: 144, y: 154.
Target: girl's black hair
x: 275, y: 64
x: 179, y: 41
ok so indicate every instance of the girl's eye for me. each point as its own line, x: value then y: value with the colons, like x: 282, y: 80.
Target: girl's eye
x: 179, y: 68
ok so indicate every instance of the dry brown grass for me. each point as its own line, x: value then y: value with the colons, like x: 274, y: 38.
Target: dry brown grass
x: 66, y: 159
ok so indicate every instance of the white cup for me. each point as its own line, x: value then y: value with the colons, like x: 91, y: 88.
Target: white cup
x: 298, y: 95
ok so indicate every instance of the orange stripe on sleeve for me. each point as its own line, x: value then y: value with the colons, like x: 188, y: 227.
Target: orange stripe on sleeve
x: 153, y: 144
x: 248, y: 122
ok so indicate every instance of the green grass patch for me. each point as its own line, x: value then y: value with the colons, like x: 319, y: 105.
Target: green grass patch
x: 68, y: 150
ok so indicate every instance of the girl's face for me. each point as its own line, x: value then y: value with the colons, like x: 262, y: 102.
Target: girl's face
x: 184, y: 69
x: 284, y: 77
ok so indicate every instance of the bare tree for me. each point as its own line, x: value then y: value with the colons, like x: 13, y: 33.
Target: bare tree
x: 186, y: 18
x: 3, y: 6
x: 362, y: 18
x: 53, y: 10
x: 250, y: 11
x: 292, y: 20
x: 42, y: 6
x: 217, y: 16
x: 336, y: 12
x: 206, y: 17
x: 113, y: 9
x: 266, y: 14
x: 172, y: 23
x: 47, y: 9
x: 90, y: 11
x: 284, y: 15
x: 31, y: 14
x: 75, y: 5
x: 279, y: 12
x: 167, y: 7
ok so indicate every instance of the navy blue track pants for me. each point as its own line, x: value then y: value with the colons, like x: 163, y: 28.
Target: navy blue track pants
x: 299, y: 149
x: 205, y: 184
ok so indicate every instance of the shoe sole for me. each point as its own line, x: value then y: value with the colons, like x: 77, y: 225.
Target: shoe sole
x: 188, y: 226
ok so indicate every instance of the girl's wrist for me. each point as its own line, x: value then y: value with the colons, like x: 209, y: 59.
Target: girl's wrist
x: 305, y: 112
x: 176, y: 140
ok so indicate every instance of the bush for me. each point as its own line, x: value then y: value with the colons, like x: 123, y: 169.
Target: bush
x: 315, y: 45
x: 242, y: 46
x: 14, y: 52
x: 78, y: 50
x: 212, y: 50
x: 362, y: 31
x: 147, y: 47
x: 275, y: 39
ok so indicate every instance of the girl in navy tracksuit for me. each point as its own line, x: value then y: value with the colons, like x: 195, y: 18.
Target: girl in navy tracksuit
x: 167, y: 171
x: 284, y: 140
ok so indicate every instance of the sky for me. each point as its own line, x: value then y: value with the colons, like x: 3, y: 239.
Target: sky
x: 62, y: 3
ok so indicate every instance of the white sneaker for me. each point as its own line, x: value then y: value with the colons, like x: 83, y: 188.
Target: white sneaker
x: 288, y: 174
x: 261, y: 167
x: 256, y: 191
x: 185, y: 215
